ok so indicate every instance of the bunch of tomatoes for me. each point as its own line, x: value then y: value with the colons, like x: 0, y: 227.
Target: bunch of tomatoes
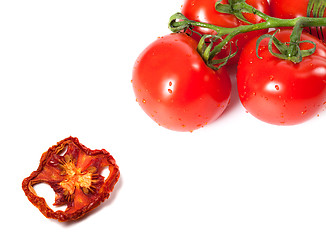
x: 175, y: 87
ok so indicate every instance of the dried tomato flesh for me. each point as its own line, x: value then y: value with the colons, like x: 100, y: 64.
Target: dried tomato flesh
x: 74, y: 173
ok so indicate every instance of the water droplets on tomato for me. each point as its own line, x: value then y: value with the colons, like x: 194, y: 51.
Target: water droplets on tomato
x: 220, y: 106
x: 169, y: 87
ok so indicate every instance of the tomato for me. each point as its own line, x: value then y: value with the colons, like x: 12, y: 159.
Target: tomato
x: 74, y: 173
x: 289, y: 9
x: 279, y: 91
x: 175, y: 87
x: 204, y: 11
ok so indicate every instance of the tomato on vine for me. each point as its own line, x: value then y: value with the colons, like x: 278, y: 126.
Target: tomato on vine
x: 175, y: 87
x: 289, y: 9
x: 278, y: 91
x: 204, y: 11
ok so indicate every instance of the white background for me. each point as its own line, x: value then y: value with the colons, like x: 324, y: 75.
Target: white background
x: 65, y: 70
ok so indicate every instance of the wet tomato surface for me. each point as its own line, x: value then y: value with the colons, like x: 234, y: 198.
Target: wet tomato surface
x: 175, y: 87
x: 279, y: 91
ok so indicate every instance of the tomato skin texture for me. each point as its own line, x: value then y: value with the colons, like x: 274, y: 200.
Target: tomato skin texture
x: 204, y: 11
x: 288, y: 9
x: 174, y: 86
x: 278, y: 91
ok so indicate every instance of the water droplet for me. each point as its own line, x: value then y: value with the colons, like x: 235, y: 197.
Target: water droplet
x: 170, y: 91
x: 277, y: 87
x: 144, y: 101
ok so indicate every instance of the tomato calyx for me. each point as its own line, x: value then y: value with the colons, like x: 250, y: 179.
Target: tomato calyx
x: 207, y: 44
x: 287, y: 50
x: 205, y: 49
x: 235, y: 7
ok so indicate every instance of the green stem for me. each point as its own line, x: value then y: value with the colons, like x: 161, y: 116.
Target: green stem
x: 228, y: 33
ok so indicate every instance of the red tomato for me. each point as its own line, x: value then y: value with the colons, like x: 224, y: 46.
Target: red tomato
x: 279, y: 91
x: 204, y: 11
x: 174, y: 86
x: 289, y: 9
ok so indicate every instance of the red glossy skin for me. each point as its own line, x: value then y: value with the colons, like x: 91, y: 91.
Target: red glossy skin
x: 278, y: 91
x: 204, y: 11
x: 289, y: 9
x: 174, y: 86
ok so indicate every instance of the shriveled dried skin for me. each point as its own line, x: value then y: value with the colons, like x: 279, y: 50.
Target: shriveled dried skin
x: 73, y: 171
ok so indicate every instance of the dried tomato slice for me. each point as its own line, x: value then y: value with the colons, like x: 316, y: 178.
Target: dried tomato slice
x: 73, y: 171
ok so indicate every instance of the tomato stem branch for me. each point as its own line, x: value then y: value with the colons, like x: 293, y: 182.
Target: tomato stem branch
x: 178, y: 22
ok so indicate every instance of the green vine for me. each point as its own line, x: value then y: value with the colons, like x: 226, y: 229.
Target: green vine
x: 289, y: 51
